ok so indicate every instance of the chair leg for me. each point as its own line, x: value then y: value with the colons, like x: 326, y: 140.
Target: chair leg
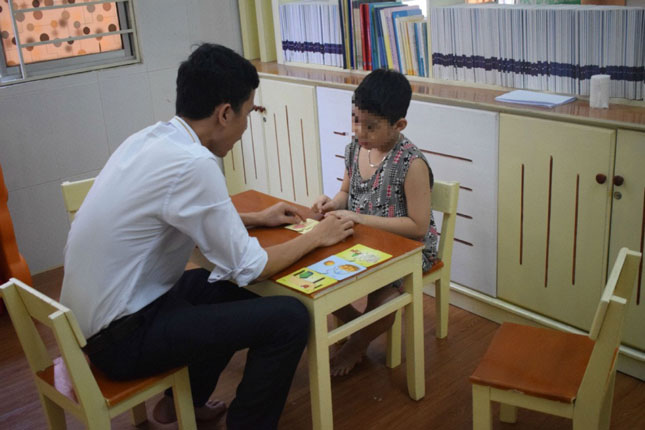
x: 507, y: 413
x: 442, y: 300
x: 393, y: 355
x: 183, y: 401
x: 138, y: 414
x: 54, y: 414
x: 605, y: 412
x: 482, y: 414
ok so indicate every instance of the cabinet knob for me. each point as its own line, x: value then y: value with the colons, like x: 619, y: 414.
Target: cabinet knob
x: 600, y: 178
x: 618, y: 180
x: 341, y: 133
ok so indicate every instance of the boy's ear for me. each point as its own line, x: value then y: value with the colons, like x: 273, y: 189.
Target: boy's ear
x: 401, y: 124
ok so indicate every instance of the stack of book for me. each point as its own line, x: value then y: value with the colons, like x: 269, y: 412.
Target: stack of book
x: 553, y: 48
x: 355, y: 34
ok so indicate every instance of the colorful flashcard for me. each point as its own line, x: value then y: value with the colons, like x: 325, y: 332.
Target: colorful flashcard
x: 363, y: 255
x: 336, y: 267
x: 304, y: 226
x: 306, y: 280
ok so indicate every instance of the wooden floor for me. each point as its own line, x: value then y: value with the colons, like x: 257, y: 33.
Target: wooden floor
x: 371, y: 397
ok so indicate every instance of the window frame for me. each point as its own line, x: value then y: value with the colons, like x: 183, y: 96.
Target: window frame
x: 129, y: 54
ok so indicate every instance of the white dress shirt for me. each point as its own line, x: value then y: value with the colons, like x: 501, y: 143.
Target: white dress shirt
x: 159, y: 194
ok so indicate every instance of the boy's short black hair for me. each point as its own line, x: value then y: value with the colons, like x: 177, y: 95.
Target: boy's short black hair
x: 213, y: 74
x: 385, y: 93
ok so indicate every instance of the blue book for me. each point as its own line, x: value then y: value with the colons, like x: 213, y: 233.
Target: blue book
x: 395, y: 16
x: 375, y: 30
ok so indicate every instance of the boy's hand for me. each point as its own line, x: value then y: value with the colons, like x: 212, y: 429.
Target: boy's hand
x: 279, y: 214
x: 332, y: 230
x: 323, y: 204
x: 356, y: 218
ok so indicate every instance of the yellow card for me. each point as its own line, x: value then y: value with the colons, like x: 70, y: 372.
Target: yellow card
x: 364, y: 255
x: 306, y: 280
x: 303, y: 227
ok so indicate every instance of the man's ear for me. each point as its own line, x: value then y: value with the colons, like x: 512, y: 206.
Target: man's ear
x: 223, y: 113
x: 401, y: 124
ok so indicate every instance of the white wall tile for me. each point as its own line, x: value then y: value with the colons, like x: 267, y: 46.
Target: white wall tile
x: 215, y: 22
x: 127, y: 106
x: 27, y: 153
x: 163, y: 34
x: 40, y: 223
x: 164, y: 94
x: 78, y: 128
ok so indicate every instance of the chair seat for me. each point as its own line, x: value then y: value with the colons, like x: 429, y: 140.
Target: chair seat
x: 436, y: 266
x: 540, y: 362
x: 113, y: 391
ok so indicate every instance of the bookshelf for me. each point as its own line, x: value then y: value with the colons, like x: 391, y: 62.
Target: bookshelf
x: 258, y: 34
x: 500, y: 64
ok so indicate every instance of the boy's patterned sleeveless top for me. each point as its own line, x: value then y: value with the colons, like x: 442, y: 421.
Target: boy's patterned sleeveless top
x: 383, y: 194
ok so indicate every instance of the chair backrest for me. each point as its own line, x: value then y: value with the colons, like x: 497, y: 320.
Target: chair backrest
x: 444, y: 199
x: 74, y: 193
x: 606, y: 329
x: 25, y: 305
x: 12, y: 263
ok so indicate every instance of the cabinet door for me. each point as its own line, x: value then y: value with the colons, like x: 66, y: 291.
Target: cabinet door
x: 553, y: 216
x: 335, y: 124
x: 291, y: 136
x: 628, y: 224
x: 245, y: 165
x: 461, y: 145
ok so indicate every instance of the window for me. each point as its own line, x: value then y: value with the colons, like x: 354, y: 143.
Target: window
x: 44, y: 38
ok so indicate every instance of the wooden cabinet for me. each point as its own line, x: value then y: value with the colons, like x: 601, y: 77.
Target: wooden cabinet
x: 461, y: 145
x: 628, y: 223
x: 279, y: 151
x: 553, y: 224
x: 245, y: 166
x: 335, y: 125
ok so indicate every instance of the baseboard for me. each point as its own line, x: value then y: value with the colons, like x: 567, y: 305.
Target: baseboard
x: 630, y: 361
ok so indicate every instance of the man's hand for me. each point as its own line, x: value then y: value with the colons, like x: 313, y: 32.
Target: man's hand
x: 356, y: 218
x: 323, y: 204
x: 279, y: 214
x: 332, y: 230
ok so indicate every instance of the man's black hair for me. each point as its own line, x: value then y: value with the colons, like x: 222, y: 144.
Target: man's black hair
x: 385, y: 93
x: 213, y: 74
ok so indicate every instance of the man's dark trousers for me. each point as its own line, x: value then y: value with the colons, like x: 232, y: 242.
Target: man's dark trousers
x: 202, y: 325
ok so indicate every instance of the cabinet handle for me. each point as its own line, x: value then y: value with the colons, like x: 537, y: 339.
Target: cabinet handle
x: 600, y: 178
x: 618, y: 180
x: 260, y: 109
x: 341, y: 133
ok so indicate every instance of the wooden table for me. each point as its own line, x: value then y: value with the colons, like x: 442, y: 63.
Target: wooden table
x: 405, y: 263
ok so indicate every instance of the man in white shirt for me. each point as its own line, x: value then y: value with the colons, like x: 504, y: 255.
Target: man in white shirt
x: 160, y: 194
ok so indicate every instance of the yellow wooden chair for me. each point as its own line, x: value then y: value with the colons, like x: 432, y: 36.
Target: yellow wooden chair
x: 564, y: 374
x: 74, y: 193
x: 69, y: 382
x: 444, y: 199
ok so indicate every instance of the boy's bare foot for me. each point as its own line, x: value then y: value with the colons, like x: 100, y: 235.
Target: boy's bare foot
x: 164, y: 411
x: 347, y: 357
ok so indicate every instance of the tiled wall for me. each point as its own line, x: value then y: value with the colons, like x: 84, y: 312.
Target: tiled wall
x: 65, y: 128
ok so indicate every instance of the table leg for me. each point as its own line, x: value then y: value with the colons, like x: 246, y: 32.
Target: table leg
x: 414, y: 335
x: 319, y: 378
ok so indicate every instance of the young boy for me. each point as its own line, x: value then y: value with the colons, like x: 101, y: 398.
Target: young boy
x: 387, y: 185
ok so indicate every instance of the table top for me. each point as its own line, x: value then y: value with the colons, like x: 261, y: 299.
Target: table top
x: 397, y: 246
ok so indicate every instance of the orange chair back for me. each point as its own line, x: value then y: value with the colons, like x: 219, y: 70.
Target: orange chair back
x: 12, y: 264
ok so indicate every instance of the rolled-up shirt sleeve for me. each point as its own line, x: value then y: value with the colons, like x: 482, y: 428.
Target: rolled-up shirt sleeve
x: 198, y: 205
